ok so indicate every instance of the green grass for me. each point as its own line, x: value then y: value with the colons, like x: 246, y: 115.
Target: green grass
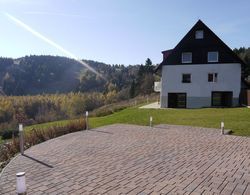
x: 236, y: 119
x: 49, y: 124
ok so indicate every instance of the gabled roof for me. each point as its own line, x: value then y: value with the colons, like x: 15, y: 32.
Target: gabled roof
x: 200, y: 47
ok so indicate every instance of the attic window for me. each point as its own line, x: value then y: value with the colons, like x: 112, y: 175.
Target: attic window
x: 213, y: 56
x: 199, y: 34
x: 186, y: 57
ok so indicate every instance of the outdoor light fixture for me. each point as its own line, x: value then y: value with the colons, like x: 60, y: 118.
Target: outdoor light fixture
x: 21, y: 141
x: 20, y: 127
x: 222, y: 128
x: 151, y: 120
x: 86, y: 120
x: 20, y: 183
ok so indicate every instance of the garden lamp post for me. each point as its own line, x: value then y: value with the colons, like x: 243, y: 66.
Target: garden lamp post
x: 222, y: 128
x: 86, y: 120
x: 150, y: 121
x: 21, y: 141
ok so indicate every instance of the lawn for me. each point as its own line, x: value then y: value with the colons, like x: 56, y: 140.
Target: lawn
x: 235, y: 119
x: 49, y: 124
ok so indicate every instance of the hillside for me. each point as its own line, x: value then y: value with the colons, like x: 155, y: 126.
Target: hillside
x: 38, y: 74
x: 32, y: 75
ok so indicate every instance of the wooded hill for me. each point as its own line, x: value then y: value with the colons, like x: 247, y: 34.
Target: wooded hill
x: 32, y: 75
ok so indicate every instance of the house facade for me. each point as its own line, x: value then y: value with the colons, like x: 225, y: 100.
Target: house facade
x: 201, y: 71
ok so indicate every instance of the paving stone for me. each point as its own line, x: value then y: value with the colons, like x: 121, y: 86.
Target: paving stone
x: 130, y: 159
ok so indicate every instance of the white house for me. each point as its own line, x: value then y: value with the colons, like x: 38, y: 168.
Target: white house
x: 201, y: 71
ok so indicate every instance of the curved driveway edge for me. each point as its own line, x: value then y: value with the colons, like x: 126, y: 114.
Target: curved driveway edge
x: 130, y: 159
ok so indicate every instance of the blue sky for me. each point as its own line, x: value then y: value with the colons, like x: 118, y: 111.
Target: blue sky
x: 117, y: 31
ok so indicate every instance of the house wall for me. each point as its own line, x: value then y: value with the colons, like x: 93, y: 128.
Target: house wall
x: 199, y: 90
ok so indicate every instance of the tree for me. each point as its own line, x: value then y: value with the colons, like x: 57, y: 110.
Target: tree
x: 132, y: 89
x: 148, y: 62
x: 244, y: 54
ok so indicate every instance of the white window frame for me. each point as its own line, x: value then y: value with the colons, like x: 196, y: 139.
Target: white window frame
x: 215, y: 78
x: 199, y: 34
x: 212, y: 60
x: 186, y: 61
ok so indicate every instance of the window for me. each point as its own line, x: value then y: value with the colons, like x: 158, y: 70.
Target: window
x: 186, y: 78
x: 222, y: 98
x: 186, y: 57
x: 199, y: 34
x: 212, y: 56
x: 212, y: 77
x: 177, y: 100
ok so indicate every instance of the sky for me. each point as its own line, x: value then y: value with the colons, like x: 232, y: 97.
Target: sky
x: 115, y: 31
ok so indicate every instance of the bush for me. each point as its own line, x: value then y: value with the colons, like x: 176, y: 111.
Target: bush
x: 8, y: 134
x: 36, y: 136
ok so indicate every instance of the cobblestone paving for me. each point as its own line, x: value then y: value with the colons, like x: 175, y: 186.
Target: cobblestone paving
x: 129, y: 159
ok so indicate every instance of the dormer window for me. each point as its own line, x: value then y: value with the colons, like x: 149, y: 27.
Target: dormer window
x: 213, y: 56
x: 186, y: 57
x: 199, y: 34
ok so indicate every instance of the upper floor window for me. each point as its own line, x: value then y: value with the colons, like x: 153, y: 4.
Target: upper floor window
x: 199, y: 34
x: 213, y: 56
x: 212, y: 77
x: 186, y: 57
x: 186, y: 78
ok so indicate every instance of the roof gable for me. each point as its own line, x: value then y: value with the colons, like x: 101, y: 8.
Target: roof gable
x: 200, y: 47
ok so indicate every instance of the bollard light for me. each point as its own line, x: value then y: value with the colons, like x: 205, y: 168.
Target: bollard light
x: 86, y: 120
x: 222, y: 127
x: 20, y: 183
x: 150, y: 120
x: 21, y: 139
x: 20, y: 127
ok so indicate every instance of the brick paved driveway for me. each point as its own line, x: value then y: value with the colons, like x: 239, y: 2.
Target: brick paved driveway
x: 128, y: 159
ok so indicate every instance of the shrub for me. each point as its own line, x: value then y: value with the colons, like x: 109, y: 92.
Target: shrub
x: 8, y: 134
x: 36, y: 136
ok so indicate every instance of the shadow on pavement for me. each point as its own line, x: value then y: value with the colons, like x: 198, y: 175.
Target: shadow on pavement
x: 38, y: 161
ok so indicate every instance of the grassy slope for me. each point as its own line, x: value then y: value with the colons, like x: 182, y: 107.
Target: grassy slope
x: 236, y: 119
